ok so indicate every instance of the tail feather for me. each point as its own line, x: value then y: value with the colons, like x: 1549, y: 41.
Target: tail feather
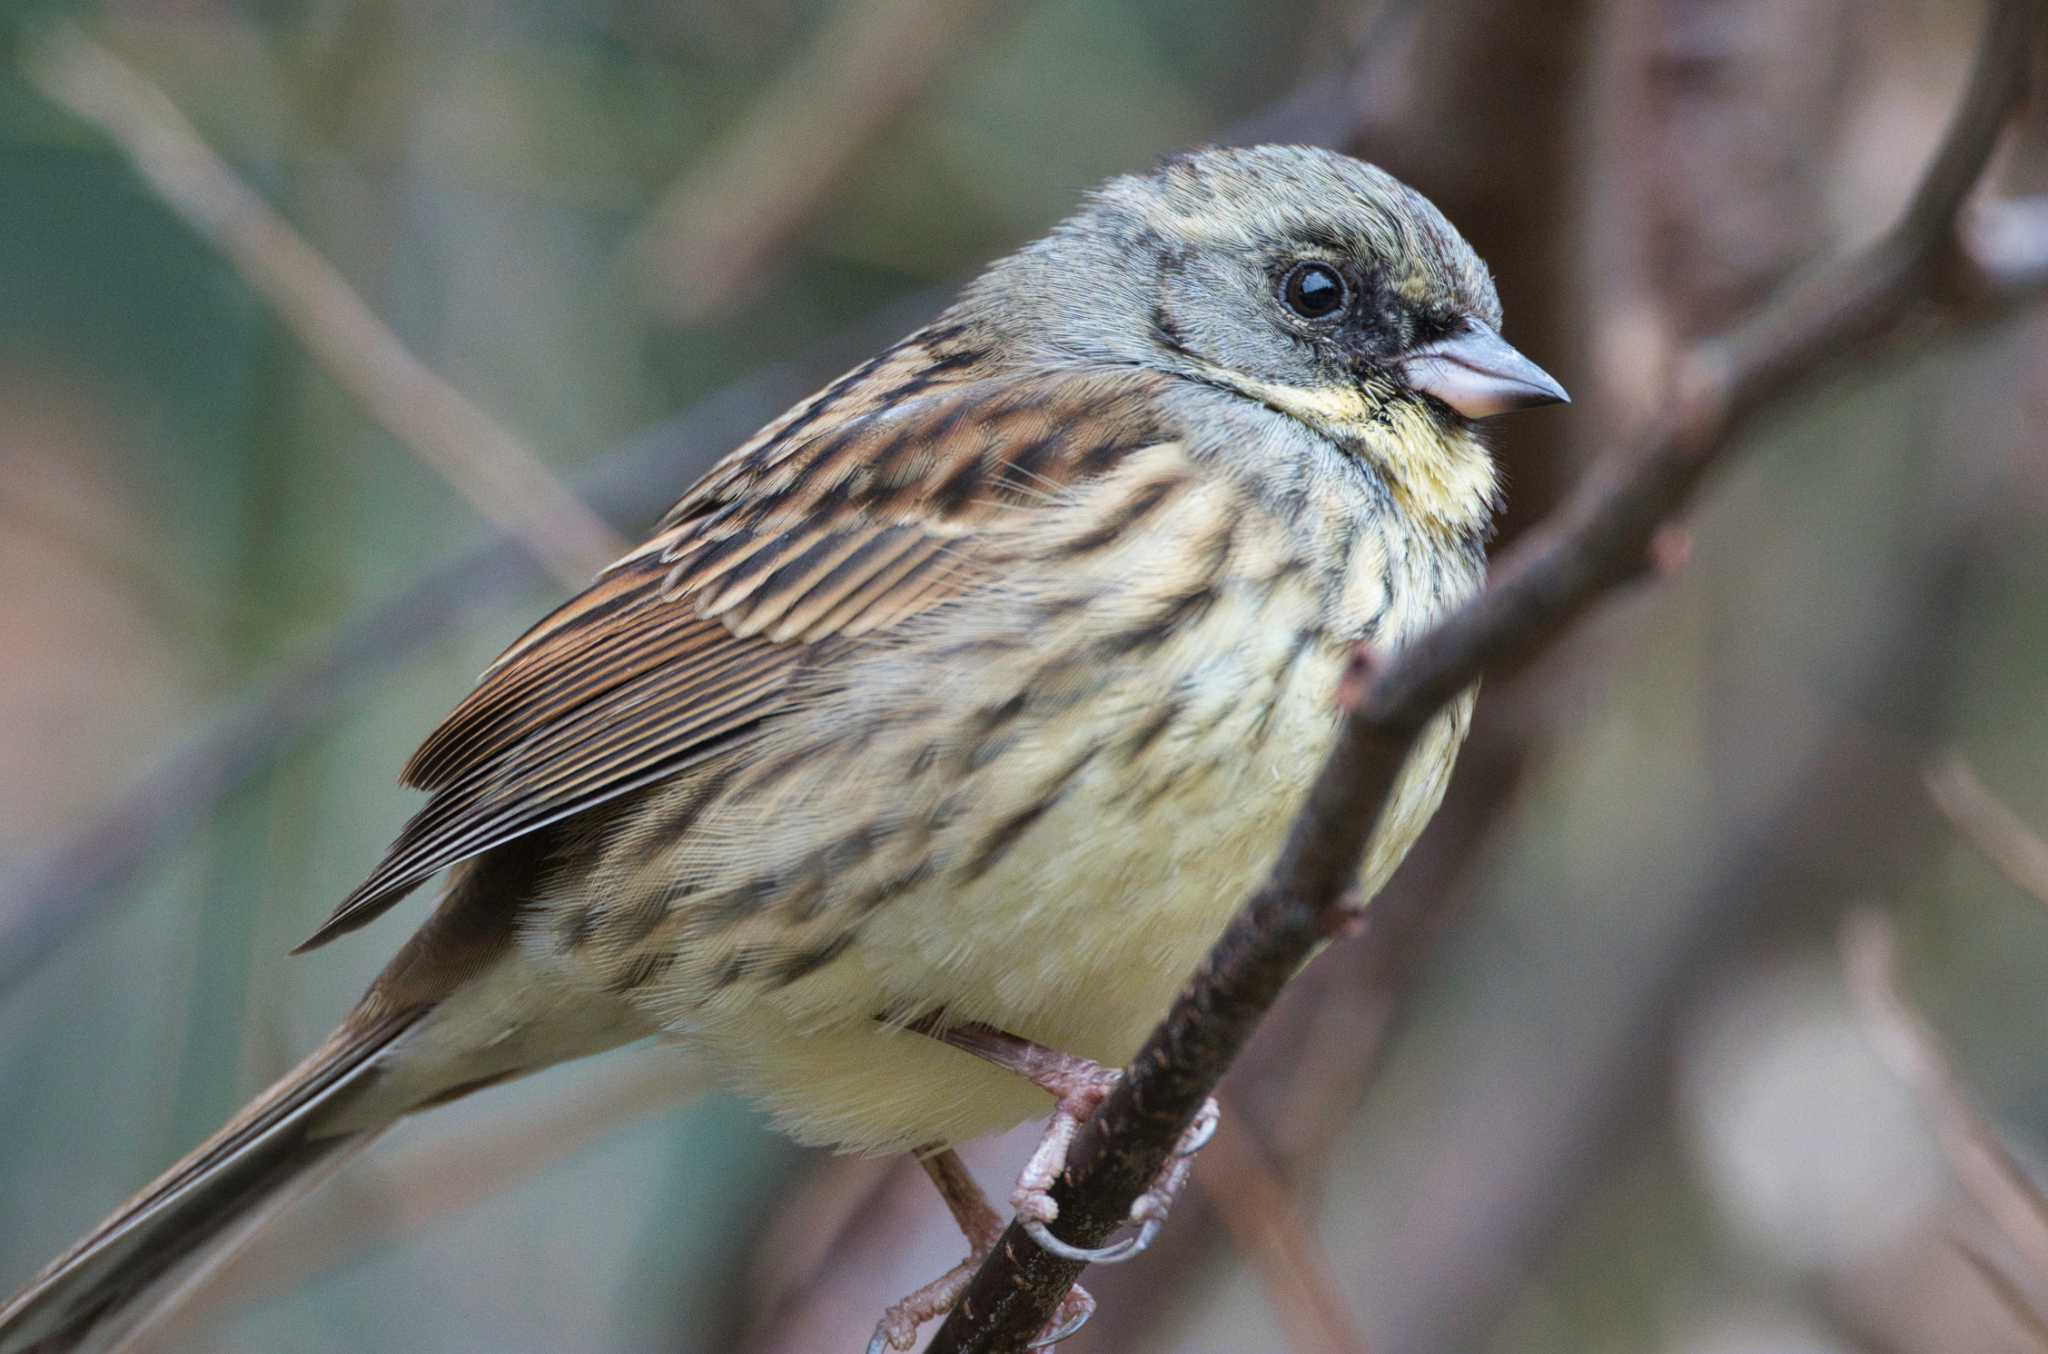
x: 103, y: 1293
x: 462, y: 1006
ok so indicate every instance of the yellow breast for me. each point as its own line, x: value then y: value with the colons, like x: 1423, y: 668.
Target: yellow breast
x: 1037, y: 811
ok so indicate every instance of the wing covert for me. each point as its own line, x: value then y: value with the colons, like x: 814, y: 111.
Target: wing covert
x: 857, y: 509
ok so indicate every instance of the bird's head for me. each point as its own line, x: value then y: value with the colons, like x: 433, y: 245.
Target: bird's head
x: 1320, y: 286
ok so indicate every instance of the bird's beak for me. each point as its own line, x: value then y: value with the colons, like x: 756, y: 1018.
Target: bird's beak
x: 1477, y: 373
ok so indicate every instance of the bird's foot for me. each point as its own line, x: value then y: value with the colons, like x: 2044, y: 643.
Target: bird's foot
x: 898, y: 1327
x: 1078, y: 1087
x: 1033, y: 1200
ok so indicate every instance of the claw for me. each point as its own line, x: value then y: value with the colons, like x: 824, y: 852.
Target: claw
x: 885, y: 1343
x: 1103, y: 1255
x: 1073, y: 1327
x: 1035, y: 1207
x: 1200, y: 1131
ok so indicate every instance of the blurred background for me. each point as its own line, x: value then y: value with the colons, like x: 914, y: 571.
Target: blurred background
x: 1691, y: 1027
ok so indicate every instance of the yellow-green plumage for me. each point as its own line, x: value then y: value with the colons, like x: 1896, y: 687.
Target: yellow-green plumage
x: 1075, y: 831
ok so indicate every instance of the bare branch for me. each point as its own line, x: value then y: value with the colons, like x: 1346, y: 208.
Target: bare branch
x: 1988, y: 824
x: 1257, y: 1204
x: 490, y: 467
x: 1979, y: 1160
x: 1600, y: 541
x: 409, y: 1190
x: 71, y: 882
x: 812, y: 1243
x: 2010, y: 1296
x: 712, y: 236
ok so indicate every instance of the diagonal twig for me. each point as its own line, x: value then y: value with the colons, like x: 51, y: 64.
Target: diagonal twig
x: 1987, y: 823
x: 2010, y: 1296
x: 1258, y: 1204
x: 485, y: 463
x: 68, y: 884
x: 1976, y: 1156
x: 1600, y: 540
x: 712, y: 236
x: 410, y: 1189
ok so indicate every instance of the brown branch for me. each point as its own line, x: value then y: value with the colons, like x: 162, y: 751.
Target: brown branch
x: 1600, y: 541
x: 2011, y: 1298
x: 409, y: 1190
x: 1985, y: 822
x: 1978, y: 1159
x: 484, y: 462
x: 712, y: 236
x: 820, y: 1229
x: 70, y: 883
x: 1257, y: 1205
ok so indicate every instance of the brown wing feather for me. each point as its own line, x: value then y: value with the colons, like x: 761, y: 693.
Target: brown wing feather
x: 854, y: 510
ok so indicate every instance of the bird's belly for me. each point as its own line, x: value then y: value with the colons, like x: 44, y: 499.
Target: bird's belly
x: 1057, y: 875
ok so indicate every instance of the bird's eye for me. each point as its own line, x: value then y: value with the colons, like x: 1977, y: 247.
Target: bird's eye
x: 1313, y: 291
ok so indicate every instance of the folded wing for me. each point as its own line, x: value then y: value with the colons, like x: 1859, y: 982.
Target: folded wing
x: 860, y: 507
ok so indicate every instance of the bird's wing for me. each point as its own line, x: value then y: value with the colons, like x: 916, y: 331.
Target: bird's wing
x: 857, y: 509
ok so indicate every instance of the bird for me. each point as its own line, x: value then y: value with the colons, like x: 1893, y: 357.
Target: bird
x: 909, y: 766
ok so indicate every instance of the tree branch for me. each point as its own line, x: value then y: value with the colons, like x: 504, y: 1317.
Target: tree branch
x: 733, y: 218
x: 67, y: 885
x: 500, y: 475
x: 1976, y: 1156
x: 1258, y: 1204
x: 1989, y: 824
x: 1601, y: 540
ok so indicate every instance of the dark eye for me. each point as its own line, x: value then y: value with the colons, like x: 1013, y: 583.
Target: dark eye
x: 1313, y: 291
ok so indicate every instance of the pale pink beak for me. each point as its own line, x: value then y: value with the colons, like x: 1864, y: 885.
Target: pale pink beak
x: 1477, y: 373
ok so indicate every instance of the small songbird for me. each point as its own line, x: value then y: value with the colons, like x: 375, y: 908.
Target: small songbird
x: 908, y: 769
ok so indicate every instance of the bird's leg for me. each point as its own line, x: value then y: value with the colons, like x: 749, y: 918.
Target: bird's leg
x: 1078, y: 1088
x: 978, y: 1221
x: 982, y: 1226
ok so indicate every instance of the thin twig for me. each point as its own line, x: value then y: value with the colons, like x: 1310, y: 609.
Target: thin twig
x: 1257, y: 1205
x: 1600, y: 541
x: 815, y: 1228
x: 72, y: 882
x: 712, y: 237
x: 1976, y: 1156
x: 2011, y: 1297
x: 1985, y: 821
x: 485, y: 463
x: 410, y: 1190
x: 1361, y: 95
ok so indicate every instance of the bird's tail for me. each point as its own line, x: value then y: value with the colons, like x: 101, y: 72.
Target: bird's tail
x: 103, y: 1294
